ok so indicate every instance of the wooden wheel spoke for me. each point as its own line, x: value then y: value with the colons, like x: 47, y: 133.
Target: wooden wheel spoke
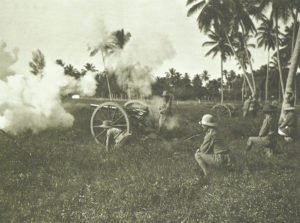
x: 100, y: 133
x: 113, y: 116
x: 119, y: 125
x: 119, y: 118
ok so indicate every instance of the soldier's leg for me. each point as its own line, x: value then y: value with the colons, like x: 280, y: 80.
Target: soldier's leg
x: 161, y: 121
x: 204, y: 160
x: 261, y: 141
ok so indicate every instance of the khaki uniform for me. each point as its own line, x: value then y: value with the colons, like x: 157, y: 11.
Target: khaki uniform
x: 212, y: 151
x: 267, y: 135
x: 165, y: 111
x: 288, y: 126
x: 114, y: 138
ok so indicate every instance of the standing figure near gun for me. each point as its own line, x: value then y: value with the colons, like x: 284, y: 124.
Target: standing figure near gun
x: 253, y: 106
x: 165, y: 111
x: 213, y: 151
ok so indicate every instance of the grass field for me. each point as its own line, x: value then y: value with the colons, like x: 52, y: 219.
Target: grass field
x: 67, y: 178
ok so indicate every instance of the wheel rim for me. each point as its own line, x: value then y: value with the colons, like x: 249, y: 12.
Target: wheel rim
x: 221, y: 111
x: 108, y: 111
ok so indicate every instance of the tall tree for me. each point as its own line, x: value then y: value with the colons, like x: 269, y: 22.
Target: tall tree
x: 38, y: 63
x: 112, y: 43
x: 226, y: 15
x: 266, y: 38
x: 242, y: 27
x: 295, y: 9
x: 279, y: 11
x: 219, y: 46
x: 90, y: 67
x: 295, y: 62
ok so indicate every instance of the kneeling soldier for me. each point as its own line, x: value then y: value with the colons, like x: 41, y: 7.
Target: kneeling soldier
x: 115, y: 137
x: 212, y: 152
x: 267, y: 134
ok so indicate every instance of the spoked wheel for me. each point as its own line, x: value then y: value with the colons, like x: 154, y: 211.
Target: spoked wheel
x: 222, y: 111
x: 108, y: 111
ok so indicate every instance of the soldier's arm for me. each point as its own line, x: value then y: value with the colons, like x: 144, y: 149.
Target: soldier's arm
x: 206, y: 144
x: 264, y: 128
x: 108, y: 141
x: 285, y: 121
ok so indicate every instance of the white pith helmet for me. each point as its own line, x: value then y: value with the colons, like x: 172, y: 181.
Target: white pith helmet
x: 208, y: 120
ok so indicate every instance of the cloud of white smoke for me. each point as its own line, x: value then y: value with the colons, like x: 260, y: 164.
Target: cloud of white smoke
x: 33, y: 102
x: 134, y: 64
x: 7, y: 59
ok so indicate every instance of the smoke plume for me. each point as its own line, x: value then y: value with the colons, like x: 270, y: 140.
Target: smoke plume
x: 33, y: 102
x: 135, y: 62
x: 7, y: 59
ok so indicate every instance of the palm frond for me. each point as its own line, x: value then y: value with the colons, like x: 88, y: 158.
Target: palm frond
x: 196, y: 7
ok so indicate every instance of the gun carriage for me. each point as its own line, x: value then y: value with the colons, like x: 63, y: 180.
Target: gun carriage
x: 133, y: 116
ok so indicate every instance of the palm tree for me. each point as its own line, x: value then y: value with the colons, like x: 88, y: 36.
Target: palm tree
x: 225, y: 15
x: 112, y: 43
x: 219, y: 45
x: 90, y: 67
x: 279, y: 11
x: 295, y: 62
x: 72, y: 71
x: 241, y: 21
x: 295, y: 9
x: 38, y: 63
x: 241, y: 46
x: 266, y: 38
x: 204, y: 76
x: 60, y: 62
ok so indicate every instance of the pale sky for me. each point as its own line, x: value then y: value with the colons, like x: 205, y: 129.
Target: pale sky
x: 64, y: 28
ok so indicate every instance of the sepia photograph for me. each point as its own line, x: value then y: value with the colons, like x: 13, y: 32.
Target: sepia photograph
x: 149, y: 111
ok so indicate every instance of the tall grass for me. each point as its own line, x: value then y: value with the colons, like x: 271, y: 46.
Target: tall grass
x: 61, y: 175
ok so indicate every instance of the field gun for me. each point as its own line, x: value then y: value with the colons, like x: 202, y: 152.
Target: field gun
x: 134, y: 114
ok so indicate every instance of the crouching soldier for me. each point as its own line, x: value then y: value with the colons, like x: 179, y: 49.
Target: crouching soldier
x: 267, y: 134
x: 115, y: 137
x: 212, y: 152
x: 288, y: 125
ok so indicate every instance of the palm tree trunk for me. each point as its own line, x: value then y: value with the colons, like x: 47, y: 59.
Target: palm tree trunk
x: 294, y: 30
x: 267, y: 78
x: 295, y: 90
x: 222, y: 90
x: 248, y: 58
x: 279, y: 93
x: 238, y: 59
x: 278, y: 57
x: 243, y: 89
x: 293, y: 44
x: 295, y: 60
x: 107, y: 81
